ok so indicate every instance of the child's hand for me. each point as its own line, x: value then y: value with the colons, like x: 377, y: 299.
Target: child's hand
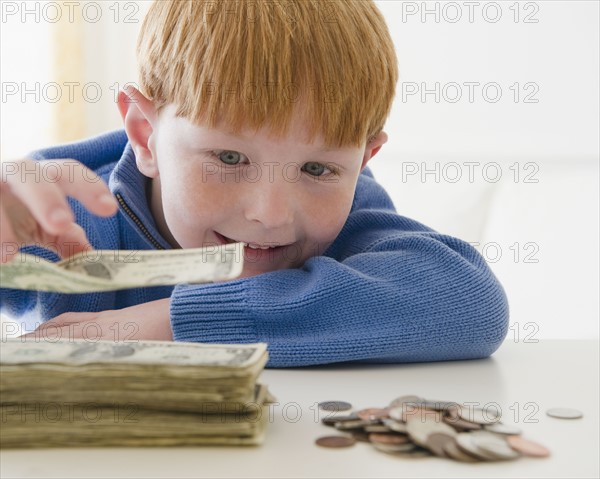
x: 146, y: 321
x: 34, y: 209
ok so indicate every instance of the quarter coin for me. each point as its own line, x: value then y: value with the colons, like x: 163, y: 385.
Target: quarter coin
x: 452, y: 450
x: 464, y: 440
x: 494, y: 444
x: 436, y: 442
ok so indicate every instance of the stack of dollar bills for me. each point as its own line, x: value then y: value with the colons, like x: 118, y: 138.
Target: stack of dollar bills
x: 144, y: 393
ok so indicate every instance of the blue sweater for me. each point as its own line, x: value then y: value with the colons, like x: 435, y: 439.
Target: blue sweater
x: 388, y: 290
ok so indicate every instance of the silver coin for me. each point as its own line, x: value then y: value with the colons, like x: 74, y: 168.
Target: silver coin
x: 335, y: 406
x: 478, y: 415
x: 494, y: 444
x: 394, y: 448
x: 330, y: 420
x: 439, y: 405
x: 464, y: 440
x: 394, y: 425
x: 436, y: 443
x: 411, y: 411
x: 500, y: 428
x: 452, y: 450
x: 356, y: 424
x: 460, y: 424
x: 564, y: 413
x: 396, y: 413
x: 419, y: 428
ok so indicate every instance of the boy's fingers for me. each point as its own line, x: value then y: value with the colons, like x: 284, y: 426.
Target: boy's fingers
x: 9, y: 247
x: 87, y: 187
x: 42, y: 187
x: 30, y: 195
x: 73, y: 241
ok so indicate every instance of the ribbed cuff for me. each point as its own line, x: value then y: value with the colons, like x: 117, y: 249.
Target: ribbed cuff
x: 214, y: 313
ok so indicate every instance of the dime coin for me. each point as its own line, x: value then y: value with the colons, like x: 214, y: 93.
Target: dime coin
x: 335, y: 441
x: 527, y: 447
x: 564, y: 413
x: 335, y: 406
x: 500, y: 428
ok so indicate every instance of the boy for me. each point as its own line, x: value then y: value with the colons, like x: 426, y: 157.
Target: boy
x: 254, y: 122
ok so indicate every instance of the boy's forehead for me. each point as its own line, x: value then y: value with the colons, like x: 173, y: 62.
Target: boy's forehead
x: 196, y: 134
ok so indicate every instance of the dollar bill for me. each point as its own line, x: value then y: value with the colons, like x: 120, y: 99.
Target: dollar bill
x: 77, y: 393
x: 88, y: 424
x: 107, y: 270
x: 153, y: 374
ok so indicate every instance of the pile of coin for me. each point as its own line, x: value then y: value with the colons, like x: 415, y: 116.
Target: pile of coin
x: 412, y: 426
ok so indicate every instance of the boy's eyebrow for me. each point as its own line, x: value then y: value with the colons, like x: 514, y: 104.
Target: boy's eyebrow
x: 247, y: 140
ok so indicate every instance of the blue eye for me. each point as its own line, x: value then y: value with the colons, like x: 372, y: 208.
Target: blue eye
x: 229, y: 157
x: 314, y: 168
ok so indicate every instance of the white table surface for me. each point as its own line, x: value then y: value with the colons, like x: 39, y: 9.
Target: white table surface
x: 523, y: 378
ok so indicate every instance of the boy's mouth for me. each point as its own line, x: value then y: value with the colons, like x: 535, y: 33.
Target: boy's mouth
x: 249, y: 245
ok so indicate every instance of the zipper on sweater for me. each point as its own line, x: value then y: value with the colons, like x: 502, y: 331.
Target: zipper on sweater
x: 137, y: 221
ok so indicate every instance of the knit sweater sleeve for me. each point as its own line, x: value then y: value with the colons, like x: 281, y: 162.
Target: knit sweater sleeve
x: 389, y: 290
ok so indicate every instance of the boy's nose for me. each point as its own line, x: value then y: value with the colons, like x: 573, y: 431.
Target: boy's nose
x: 270, y: 203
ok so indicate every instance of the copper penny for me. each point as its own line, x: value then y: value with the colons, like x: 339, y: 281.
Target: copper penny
x: 527, y: 447
x: 335, y: 441
x: 372, y: 413
x: 382, y: 438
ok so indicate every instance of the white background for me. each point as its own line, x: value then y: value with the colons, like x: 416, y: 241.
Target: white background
x: 536, y: 223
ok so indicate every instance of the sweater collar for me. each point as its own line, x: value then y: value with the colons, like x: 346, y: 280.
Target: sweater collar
x: 129, y: 185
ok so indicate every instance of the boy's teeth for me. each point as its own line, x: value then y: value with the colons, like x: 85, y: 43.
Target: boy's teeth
x: 256, y: 247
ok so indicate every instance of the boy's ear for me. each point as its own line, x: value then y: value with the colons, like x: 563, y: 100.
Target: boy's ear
x: 139, y: 117
x: 373, y: 146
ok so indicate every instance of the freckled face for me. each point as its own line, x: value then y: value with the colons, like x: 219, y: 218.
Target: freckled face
x: 213, y: 187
